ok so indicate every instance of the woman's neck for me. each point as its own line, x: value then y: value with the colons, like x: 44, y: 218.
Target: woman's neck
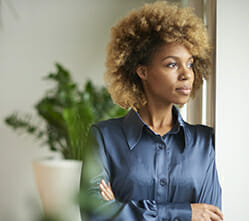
x: 158, y: 117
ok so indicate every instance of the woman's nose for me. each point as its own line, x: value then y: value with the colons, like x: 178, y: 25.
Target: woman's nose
x: 185, y: 73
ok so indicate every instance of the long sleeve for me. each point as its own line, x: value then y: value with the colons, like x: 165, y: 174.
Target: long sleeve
x: 110, y: 210
x: 143, y: 209
x: 211, y: 190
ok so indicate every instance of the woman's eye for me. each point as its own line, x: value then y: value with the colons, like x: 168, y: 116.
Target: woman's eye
x: 190, y: 65
x: 171, y: 65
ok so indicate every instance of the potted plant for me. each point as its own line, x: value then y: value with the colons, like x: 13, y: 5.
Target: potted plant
x: 68, y: 113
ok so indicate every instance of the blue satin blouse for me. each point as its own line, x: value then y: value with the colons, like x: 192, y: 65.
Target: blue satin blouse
x: 154, y: 177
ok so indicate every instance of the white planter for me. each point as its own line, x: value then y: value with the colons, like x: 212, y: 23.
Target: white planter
x: 58, y: 182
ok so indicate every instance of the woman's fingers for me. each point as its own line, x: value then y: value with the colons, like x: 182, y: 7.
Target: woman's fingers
x: 104, y: 196
x: 214, y: 216
x: 110, y: 189
x: 106, y: 191
x: 216, y: 210
x: 205, y: 212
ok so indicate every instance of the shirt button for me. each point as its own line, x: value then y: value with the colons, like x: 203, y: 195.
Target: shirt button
x: 161, y: 146
x: 177, y: 219
x: 163, y: 182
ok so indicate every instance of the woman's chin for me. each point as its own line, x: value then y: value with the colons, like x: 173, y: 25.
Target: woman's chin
x: 182, y: 101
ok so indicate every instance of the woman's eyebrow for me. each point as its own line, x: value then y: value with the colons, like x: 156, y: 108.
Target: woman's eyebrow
x: 175, y: 57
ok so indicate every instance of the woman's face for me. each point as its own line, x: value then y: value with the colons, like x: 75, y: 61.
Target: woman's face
x: 169, y: 76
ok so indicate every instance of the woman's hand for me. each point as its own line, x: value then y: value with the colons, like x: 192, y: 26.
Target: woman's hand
x: 106, y: 191
x: 205, y: 212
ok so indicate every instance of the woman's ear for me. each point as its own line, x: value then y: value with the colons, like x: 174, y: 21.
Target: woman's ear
x: 141, y: 71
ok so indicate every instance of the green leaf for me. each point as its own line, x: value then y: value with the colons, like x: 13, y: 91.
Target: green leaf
x: 68, y: 113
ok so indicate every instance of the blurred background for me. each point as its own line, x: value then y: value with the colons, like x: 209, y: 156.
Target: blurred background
x: 34, y: 34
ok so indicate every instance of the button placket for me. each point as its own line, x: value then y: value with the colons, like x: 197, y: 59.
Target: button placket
x: 162, y: 171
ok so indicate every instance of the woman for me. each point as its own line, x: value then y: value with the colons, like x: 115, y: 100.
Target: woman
x: 157, y: 166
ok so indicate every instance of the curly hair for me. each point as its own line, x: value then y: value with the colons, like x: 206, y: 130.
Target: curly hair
x: 138, y: 35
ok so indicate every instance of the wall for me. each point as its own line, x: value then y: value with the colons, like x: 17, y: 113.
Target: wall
x: 232, y: 107
x: 33, y: 36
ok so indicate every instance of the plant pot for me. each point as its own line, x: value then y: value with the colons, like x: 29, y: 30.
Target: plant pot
x: 58, y: 183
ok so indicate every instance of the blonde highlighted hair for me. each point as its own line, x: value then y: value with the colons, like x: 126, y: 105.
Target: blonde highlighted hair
x: 138, y: 35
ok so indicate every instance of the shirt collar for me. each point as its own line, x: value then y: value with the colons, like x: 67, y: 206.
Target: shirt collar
x: 133, y: 127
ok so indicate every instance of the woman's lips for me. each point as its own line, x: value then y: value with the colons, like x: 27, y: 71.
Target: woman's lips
x: 185, y: 91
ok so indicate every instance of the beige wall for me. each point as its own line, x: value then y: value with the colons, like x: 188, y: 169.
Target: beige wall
x: 232, y: 106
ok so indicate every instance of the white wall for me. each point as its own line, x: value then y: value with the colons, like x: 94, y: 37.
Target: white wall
x: 74, y: 33
x: 232, y: 106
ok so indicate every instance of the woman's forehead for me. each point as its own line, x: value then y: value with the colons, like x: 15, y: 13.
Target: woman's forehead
x: 173, y: 50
